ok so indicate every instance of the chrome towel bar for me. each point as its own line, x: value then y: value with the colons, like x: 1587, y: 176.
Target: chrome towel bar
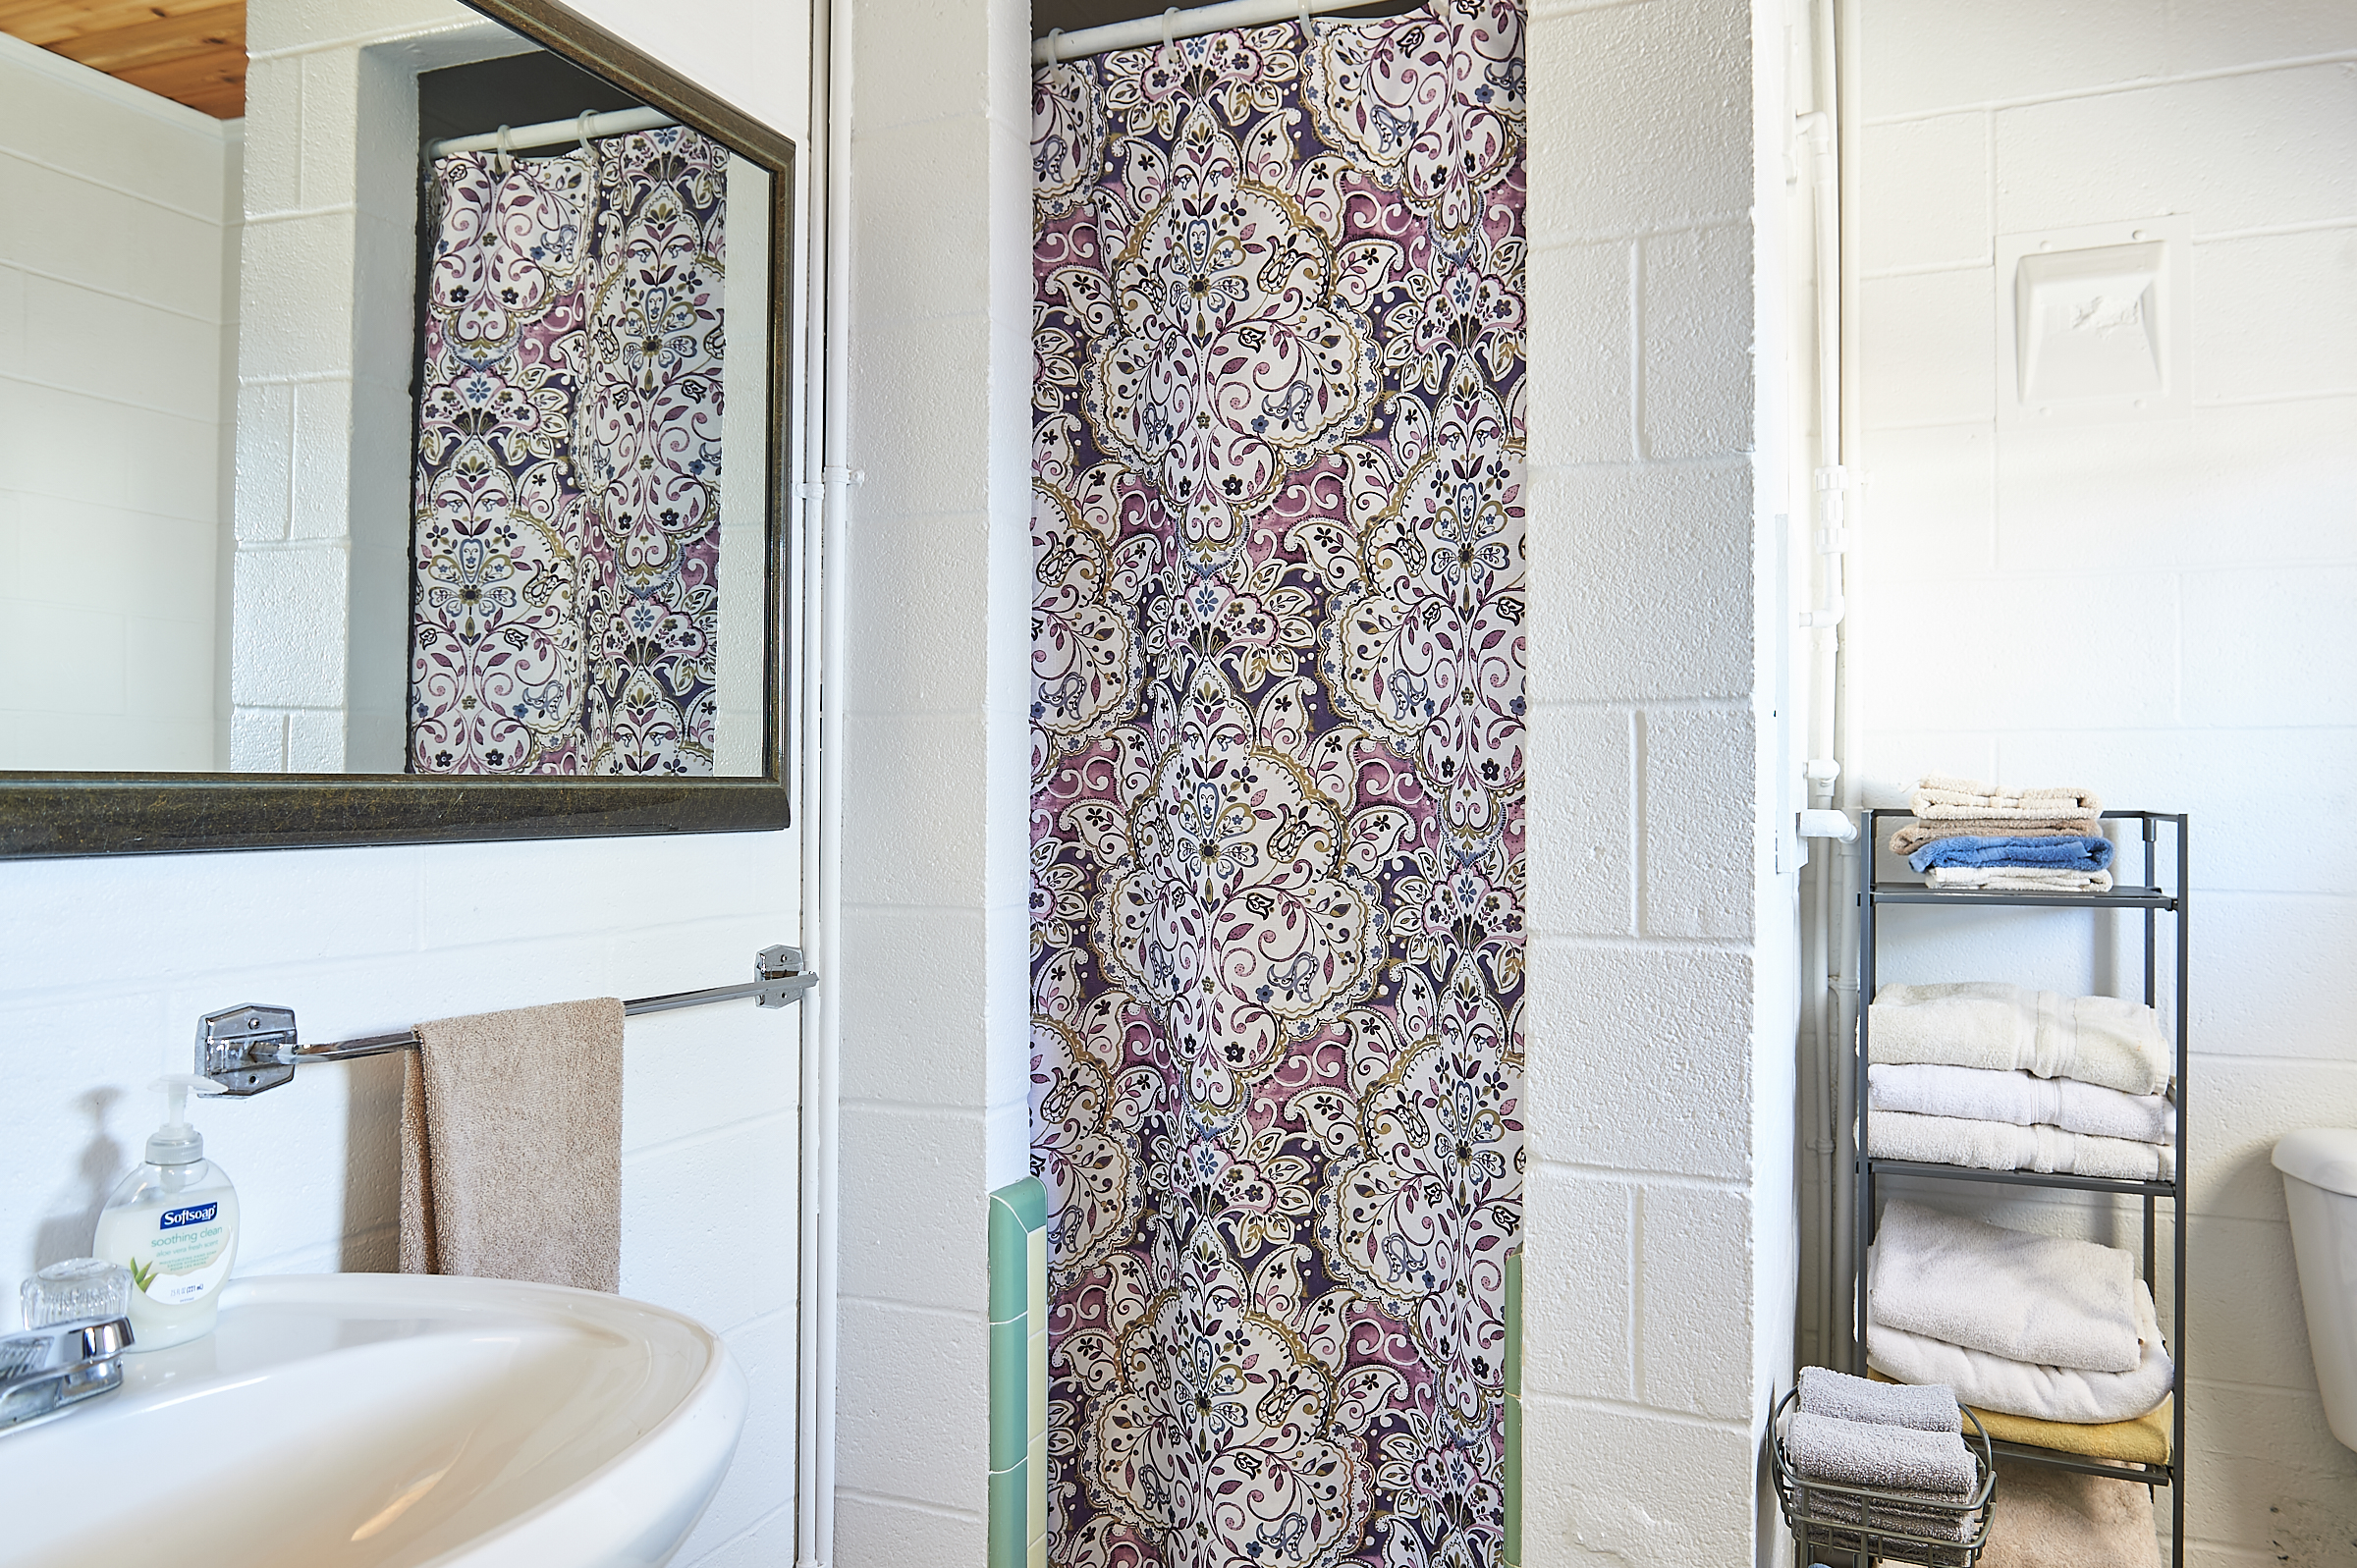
x: 254, y: 1048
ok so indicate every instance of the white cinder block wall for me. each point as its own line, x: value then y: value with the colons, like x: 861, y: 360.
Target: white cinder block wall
x: 935, y: 938
x: 2164, y: 612
x: 106, y: 964
x: 121, y: 207
x: 1658, y: 1297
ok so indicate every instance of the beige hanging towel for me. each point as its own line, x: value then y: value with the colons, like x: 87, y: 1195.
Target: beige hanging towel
x: 511, y: 1146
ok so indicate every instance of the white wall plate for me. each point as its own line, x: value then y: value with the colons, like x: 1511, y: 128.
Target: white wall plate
x: 2094, y: 324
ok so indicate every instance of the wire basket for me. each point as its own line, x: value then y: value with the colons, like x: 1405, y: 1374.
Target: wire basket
x: 1860, y: 1525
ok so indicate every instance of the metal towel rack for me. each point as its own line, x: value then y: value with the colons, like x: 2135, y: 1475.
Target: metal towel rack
x: 253, y: 1049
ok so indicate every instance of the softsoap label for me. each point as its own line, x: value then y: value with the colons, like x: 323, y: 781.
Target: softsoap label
x: 188, y: 1256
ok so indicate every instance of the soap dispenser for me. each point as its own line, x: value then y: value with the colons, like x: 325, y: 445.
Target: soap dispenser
x: 173, y: 1222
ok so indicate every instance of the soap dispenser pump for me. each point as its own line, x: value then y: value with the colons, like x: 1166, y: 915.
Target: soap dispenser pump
x: 173, y: 1222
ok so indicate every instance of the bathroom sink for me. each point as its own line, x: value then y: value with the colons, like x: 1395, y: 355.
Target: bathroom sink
x: 383, y: 1420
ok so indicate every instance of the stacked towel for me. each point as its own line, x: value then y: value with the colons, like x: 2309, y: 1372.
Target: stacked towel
x: 2003, y: 1146
x: 1903, y: 1441
x: 2054, y: 852
x: 2027, y: 1325
x: 2000, y: 1027
x: 2011, y: 879
x: 2021, y: 1098
x: 1973, y: 834
x: 1915, y: 834
x: 1939, y: 797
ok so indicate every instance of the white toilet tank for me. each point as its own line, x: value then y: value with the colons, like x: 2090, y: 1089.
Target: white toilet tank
x: 2320, y: 1184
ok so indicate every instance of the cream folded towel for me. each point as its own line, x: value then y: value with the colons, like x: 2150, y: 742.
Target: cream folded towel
x: 511, y: 1146
x: 2001, y: 1027
x: 2021, y: 1388
x: 2018, y: 879
x: 2026, y: 1298
x: 2022, y: 1098
x: 2006, y: 1146
x: 1915, y: 834
x: 1940, y: 796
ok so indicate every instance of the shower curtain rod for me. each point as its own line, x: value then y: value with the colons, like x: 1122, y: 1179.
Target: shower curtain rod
x: 1176, y: 24
x: 554, y: 133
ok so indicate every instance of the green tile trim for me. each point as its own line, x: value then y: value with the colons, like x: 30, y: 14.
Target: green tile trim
x: 1010, y: 1393
x: 1008, y: 1517
x: 1513, y: 1409
x: 1018, y: 1365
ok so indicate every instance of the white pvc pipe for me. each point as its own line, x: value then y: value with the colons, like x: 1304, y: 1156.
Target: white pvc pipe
x: 554, y: 133
x: 827, y: 410
x: 1174, y: 24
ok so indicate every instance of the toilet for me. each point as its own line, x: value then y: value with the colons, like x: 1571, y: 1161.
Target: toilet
x: 2320, y: 1184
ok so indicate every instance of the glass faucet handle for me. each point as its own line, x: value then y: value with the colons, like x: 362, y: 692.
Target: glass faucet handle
x: 77, y: 1289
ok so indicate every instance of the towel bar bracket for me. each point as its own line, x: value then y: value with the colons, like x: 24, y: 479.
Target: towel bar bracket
x: 251, y: 1050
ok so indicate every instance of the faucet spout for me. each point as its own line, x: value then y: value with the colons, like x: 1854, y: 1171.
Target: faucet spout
x: 50, y: 1370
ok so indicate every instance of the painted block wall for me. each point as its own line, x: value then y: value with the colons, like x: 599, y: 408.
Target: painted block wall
x: 2162, y: 610
x: 105, y: 966
x: 122, y: 208
x: 1657, y: 1269
x: 936, y: 921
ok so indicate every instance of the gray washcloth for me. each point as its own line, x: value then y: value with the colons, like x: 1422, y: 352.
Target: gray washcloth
x: 1927, y: 1408
x: 1855, y: 1453
x: 2039, y: 1299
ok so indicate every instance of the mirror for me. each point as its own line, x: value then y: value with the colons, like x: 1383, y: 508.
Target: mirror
x: 392, y: 434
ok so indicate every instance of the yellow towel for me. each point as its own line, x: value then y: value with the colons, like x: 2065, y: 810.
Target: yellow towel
x: 511, y: 1146
x: 2144, y: 1441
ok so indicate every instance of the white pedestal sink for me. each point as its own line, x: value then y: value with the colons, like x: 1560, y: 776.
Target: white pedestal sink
x: 386, y: 1420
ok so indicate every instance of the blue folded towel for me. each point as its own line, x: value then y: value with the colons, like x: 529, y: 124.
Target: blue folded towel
x: 2089, y: 852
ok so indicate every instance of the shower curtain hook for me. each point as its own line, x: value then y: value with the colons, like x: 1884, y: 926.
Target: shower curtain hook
x: 1055, y: 54
x: 1305, y: 17
x: 1170, y: 21
x: 507, y: 155
x: 582, y: 125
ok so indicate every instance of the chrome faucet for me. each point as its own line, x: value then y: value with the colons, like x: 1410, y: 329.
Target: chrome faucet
x: 48, y: 1370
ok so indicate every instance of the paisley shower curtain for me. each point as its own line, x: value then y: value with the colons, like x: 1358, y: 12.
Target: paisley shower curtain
x: 565, y: 602
x: 1276, y: 860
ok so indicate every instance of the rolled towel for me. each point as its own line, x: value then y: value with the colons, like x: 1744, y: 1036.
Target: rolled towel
x: 1940, y: 795
x: 1915, y: 834
x: 2039, y: 1299
x: 2024, y: 1388
x: 1827, y: 1392
x: 2008, y: 1146
x: 2007, y: 879
x: 1930, y: 1090
x: 2001, y: 1027
x: 1857, y: 1453
x: 2084, y: 852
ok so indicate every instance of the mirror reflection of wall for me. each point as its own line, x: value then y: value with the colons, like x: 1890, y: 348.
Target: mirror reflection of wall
x: 338, y: 440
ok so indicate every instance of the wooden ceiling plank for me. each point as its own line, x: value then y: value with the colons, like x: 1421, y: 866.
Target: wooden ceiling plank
x: 221, y: 27
x: 48, y: 22
x: 213, y: 83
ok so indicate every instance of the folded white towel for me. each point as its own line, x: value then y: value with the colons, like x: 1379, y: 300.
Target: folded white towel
x: 2008, y: 1146
x: 1940, y: 795
x: 2018, y: 879
x: 2038, y: 1299
x: 1929, y: 1089
x: 2019, y: 1388
x: 1855, y: 1453
x: 2001, y: 1027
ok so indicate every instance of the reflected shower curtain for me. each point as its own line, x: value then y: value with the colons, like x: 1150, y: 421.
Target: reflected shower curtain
x: 1277, y: 788
x: 565, y: 602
